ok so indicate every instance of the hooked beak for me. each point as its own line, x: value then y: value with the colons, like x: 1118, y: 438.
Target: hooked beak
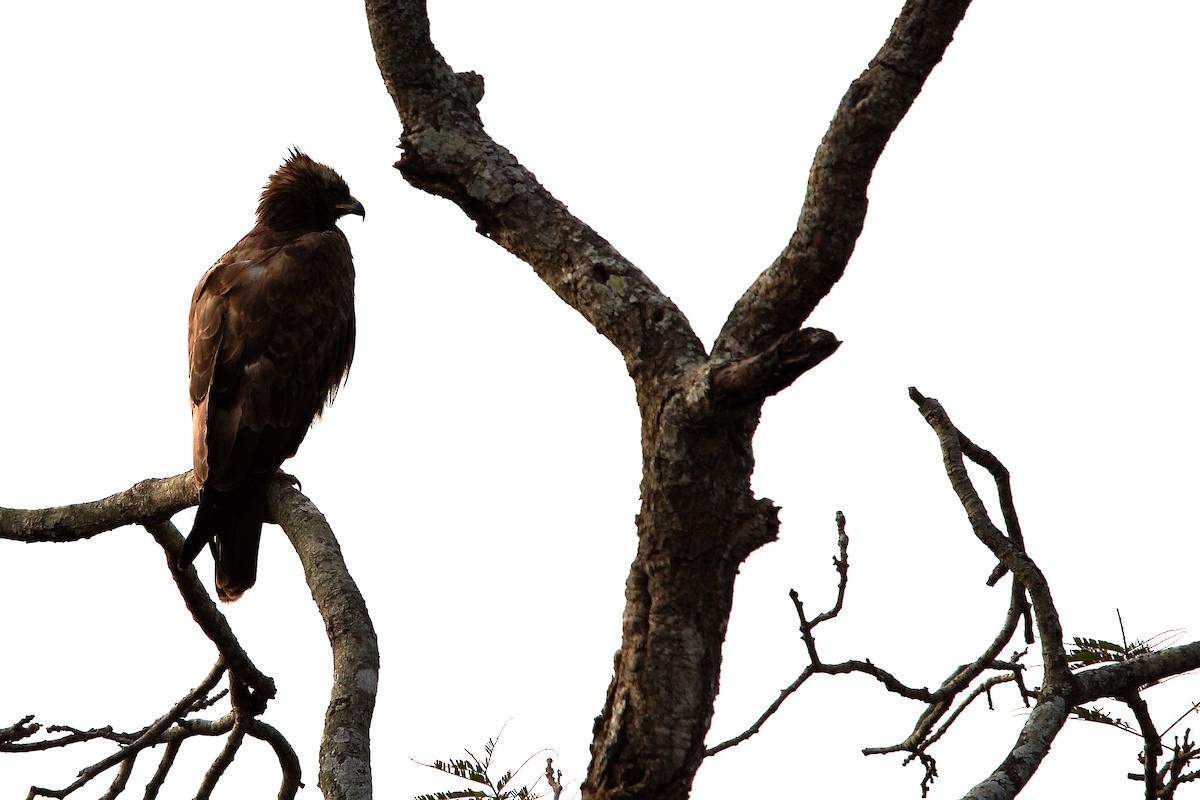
x: 352, y: 207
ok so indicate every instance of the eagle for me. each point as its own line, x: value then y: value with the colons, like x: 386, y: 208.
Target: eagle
x: 270, y: 340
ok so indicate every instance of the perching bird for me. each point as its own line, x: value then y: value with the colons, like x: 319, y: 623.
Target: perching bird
x: 270, y: 339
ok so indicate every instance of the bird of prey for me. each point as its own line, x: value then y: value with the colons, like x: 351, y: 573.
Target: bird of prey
x: 270, y: 340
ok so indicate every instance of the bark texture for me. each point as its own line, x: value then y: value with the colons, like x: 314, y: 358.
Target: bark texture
x: 699, y: 519
x: 345, y: 756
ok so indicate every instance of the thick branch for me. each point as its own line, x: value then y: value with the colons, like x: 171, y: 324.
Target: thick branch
x: 448, y: 153
x: 1116, y: 680
x: 835, y: 205
x: 145, y: 501
x: 1033, y: 744
x: 345, y: 757
x: 739, y: 384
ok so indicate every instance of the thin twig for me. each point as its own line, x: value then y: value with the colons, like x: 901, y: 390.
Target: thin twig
x: 554, y: 778
x: 148, y: 738
x: 164, y: 766
x: 1153, y: 745
x: 122, y: 778
x: 221, y: 762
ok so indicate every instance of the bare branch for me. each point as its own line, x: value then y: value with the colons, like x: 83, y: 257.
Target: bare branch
x: 448, y: 153
x: 1033, y: 743
x: 206, y: 614
x: 841, y: 562
x: 735, y: 384
x: 289, y: 764
x: 164, y: 766
x: 145, y: 501
x: 150, y: 503
x: 808, y: 672
x: 831, y: 219
x: 1153, y: 748
x: 1009, y: 552
x: 554, y: 778
x: 121, y: 780
x: 345, y: 756
x: 939, y: 701
x: 21, y: 730
x: 73, y: 737
x: 1008, y: 508
x: 984, y: 688
x: 150, y: 737
x: 221, y: 762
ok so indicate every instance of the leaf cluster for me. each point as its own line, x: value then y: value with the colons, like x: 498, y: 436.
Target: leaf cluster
x: 476, y: 770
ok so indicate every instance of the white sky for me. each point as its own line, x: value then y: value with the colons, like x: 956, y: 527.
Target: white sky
x: 1029, y: 259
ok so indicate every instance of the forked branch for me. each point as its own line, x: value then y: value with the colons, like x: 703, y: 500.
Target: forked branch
x: 170, y: 730
x: 345, y: 756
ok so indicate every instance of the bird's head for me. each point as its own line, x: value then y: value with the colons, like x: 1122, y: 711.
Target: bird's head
x: 305, y: 195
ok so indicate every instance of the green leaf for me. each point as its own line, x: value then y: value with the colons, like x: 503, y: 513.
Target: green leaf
x: 1102, y: 717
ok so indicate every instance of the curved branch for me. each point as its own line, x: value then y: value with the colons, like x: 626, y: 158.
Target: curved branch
x: 221, y: 763
x: 1010, y: 553
x: 448, y: 153
x: 155, y: 784
x: 150, y: 503
x: 149, y: 500
x: 345, y: 756
x: 207, y: 616
x: 835, y: 206
x: 289, y: 763
x: 1033, y: 745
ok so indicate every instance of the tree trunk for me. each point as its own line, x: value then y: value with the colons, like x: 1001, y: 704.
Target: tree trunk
x: 698, y: 522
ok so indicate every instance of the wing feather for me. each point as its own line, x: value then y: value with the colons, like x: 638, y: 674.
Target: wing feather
x: 271, y: 337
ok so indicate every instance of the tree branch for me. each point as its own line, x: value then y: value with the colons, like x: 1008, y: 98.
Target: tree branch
x: 1117, y: 679
x: 151, y: 736
x: 448, y: 153
x: 345, y: 756
x: 150, y: 503
x: 1033, y: 743
x: 1061, y: 690
x: 164, y: 766
x: 208, y: 616
x: 1009, y: 552
x: 831, y: 219
x: 723, y: 386
x: 149, y: 500
x: 289, y: 763
x: 1153, y: 748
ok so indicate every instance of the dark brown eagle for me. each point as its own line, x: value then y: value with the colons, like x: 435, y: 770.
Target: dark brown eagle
x: 270, y: 339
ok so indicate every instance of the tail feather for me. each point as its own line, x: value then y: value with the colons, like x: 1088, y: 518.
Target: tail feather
x: 230, y: 523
